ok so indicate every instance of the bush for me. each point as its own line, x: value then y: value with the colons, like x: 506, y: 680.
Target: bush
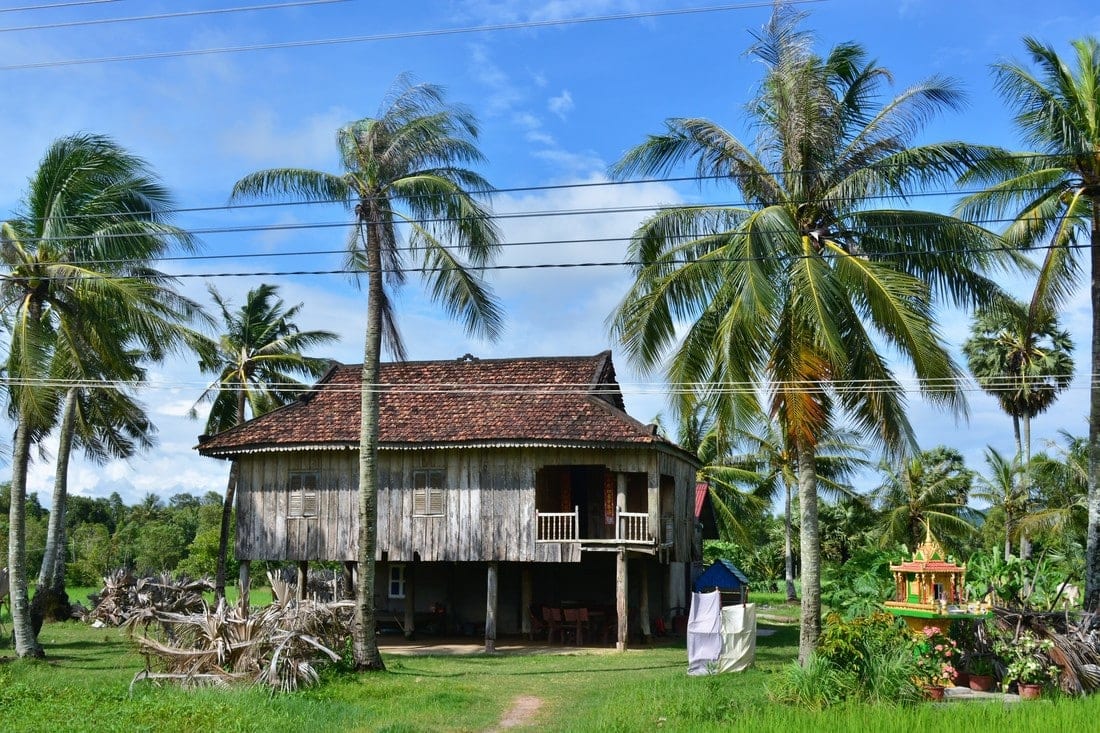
x: 867, y: 659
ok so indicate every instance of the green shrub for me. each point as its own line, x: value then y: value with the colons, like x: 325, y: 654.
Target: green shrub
x: 816, y: 686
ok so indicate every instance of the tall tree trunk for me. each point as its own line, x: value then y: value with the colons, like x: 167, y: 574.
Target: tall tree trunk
x: 364, y: 643
x: 50, y: 600
x: 223, y: 529
x: 227, y: 509
x: 1092, y: 545
x: 26, y: 643
x: 788, y: 554
x: 1025, y: 486
x: 810, y: 546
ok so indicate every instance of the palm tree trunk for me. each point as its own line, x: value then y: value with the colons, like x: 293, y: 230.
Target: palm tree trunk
x: 788, y: 555
x: 1025, y: 486
x: 810, y: 541
x: 364, y: 644
x: 1092, y: 545
x: 227, y: 510
x: 26, y: 643
x: 223, y: 529
x: 50, y: 600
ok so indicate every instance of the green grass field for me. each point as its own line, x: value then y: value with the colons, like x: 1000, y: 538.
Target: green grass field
x: 84, y: 685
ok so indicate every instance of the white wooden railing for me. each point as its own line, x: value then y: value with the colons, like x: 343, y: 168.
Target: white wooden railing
x: 557, y: 526
x: 632, y: 526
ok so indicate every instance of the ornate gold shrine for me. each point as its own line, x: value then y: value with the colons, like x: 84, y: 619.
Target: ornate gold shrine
x: 930, y: 589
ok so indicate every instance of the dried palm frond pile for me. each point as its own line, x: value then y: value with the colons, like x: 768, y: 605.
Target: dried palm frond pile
x: 125, y: 597
x: 1076, y: 640
x: 280, y: 646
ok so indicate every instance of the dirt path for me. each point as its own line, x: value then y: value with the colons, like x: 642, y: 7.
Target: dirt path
x: 522, y: 712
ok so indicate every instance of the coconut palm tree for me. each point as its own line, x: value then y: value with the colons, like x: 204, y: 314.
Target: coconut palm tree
x: 927, y: 492
x: 760, y: 458
x: 79, y: 294
x: 405, y: 177
x: 257, y: 359
x: 1053, y: 197
x: 792, y: 291
x: 107, y: 423
x: 1001, y: 489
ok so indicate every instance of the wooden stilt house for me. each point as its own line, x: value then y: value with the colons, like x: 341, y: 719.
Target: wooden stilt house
x: 506, y: 486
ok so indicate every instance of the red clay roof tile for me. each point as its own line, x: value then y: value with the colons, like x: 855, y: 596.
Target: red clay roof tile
x: 537, y: 400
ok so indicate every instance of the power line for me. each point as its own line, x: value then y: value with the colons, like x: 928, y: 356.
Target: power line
x: 1023, y: 157
x: 403, y: 35
x: 54, y: 6
x: 164, y: 16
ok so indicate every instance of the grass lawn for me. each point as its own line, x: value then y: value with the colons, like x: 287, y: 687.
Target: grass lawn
x: 83, y: 685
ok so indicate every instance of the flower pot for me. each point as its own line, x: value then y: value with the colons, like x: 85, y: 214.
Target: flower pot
x: 934, y: 692
x: 1030, y: 691
x: 981, y: 682
x: 962, y: 679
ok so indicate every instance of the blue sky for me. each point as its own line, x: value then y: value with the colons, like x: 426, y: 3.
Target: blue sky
x: 557, y: 105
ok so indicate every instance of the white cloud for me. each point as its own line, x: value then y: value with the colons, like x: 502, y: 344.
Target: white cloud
x: 561, y: 104
x: 265, y: 140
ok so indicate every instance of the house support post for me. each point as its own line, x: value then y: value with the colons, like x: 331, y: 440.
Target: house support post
x: 620, y: 502
x: 643, y: 602
x: 303, y: 576
x: 620, y: 599
x: 410, y: 601
x: 491, y: 608
x: 349, y: 579
x: 525, y: 593
x: 244, y: 585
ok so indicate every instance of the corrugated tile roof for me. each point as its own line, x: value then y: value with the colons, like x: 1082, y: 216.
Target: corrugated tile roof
x: 572, y: 400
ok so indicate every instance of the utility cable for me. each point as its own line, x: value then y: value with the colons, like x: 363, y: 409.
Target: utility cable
x: 402, y: 35
x: 165, y: 16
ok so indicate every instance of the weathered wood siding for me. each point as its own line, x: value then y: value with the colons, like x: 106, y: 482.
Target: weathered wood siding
x: 265, y: 532
x: 489, y: 504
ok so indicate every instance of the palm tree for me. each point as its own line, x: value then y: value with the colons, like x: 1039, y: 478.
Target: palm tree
x: 791, y: 290
x: 107, y: 423
x: 761, y: 459
x: 1001, y: 489
x: 1019, y: 355
x: 256, y: 359
x: 407, y: 166
x: 924, y: 493
x: 79, y: 294
x: 1053, y: 196
x: 1023, y: 359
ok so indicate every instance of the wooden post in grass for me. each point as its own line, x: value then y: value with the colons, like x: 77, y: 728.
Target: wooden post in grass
x: 491, y: 608
x: 525, y: 593
x: 643, y: 603
x: 620, y: 599
x: 303, y: 576
x: 410, y: 601
x: 244, y: 585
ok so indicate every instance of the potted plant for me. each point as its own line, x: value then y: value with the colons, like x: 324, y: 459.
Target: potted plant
x: 1028, y: 664
x: 982, y: 672
x: 935, y: 657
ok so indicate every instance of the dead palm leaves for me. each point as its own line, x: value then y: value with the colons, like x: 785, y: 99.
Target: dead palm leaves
x: 279, y: 646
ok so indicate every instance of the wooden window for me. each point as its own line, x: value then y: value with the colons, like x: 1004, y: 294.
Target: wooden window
x: 304, y: 502
x: 428, y: 492
x: 397, y: 581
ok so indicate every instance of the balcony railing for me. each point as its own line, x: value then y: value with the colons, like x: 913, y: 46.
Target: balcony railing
x: 557, y: 526
x: 630, y: 527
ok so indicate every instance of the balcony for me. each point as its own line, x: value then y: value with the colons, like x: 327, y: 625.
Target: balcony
x: 631, y: 528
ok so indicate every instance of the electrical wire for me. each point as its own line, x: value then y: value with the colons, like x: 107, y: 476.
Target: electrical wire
x: 165, y: 16
x: 55, y: 6
x: 403, y: 35
x: 1053, y: 158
